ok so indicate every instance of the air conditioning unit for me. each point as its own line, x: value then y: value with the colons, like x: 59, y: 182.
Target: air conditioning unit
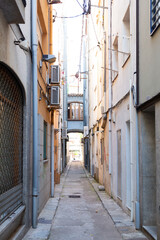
x: 55, y: 100
x: 85, y: 131
x: 55, y: 74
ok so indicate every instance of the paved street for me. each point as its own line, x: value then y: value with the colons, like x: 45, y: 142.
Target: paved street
x: 80, y: 214
x: 79, y: 211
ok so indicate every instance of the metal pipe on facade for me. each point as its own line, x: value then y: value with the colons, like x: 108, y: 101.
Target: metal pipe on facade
x: 52, y: 155
x: 137, y: 132
x: 131, y: 147
x: 105, y: 52
x: 110, y: 87
x: 35, y: 114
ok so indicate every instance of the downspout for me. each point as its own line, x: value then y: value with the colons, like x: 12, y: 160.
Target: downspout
x: 52, y: 155
x: 50, y: 50
x: 137, y: 131
x: 105, y: 52
x: 35, y: 114
x: 131, y: 146
x: 59, y: 143
x: 131, y: 127
x: 110, y: 88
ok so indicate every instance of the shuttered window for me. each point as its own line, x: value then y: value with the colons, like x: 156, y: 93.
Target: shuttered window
x: 11, y: 143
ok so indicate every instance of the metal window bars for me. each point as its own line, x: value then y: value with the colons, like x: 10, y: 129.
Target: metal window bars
x: 155, y: 14
x: 11, y: 142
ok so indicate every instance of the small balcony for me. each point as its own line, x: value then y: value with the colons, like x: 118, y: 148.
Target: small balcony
x: 14, y: 11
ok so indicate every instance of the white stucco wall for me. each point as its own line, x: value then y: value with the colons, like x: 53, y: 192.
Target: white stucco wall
x: 149, y: 70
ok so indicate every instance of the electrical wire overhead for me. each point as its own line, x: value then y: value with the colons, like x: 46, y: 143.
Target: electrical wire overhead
x: 79, y: 4
x: 69, y: 16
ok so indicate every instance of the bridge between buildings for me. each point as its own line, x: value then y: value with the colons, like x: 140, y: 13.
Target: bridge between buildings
x: 75, y: 113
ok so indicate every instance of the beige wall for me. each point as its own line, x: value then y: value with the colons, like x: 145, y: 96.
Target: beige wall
x: 149, y: 70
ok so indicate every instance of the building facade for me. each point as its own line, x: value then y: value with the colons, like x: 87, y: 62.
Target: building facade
x: 112, y: 112
x: 15, y: 118
x: 148, y: 115
x: 17, y: 173
x: 48, y: 84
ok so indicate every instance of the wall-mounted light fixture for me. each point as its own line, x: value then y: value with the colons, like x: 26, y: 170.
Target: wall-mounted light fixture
x: 49, y: 58
x: 54, y: 1
x: 23, y: 44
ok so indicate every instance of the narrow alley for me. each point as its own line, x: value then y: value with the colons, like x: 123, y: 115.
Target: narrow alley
x: 79, y: 120
x: 80, y: 214
x: 80, y: 211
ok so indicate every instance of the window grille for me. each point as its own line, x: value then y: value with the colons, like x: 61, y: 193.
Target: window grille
x: 155, y: 14
x: 11, y: 142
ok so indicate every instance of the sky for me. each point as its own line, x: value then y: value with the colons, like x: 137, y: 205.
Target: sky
x: 74, y: 30
x: 69, y: 8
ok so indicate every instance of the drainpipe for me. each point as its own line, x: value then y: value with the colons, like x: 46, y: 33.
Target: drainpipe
x: 52, y: 155
x: 35, y: 115
x: 131, y: 146
x: 137, y: 102
x: 110, y: 88
x: 105, y: 52
x: 59, y: 144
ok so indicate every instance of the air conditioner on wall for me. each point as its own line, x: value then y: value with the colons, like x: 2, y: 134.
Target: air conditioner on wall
x: 55, y: 100
x: 55, y: 74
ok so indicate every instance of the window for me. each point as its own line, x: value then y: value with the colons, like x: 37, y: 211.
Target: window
x: 115, y: 58
x: 75, y: 111
x: 45, y: 141
x: 154, y: 15
x: 126, y: 37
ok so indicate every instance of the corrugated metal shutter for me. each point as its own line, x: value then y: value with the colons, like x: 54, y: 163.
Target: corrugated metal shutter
x: 11, y: 143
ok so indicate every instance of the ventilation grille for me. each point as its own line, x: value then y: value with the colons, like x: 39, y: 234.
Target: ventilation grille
x: 55, y: 73
x: 55, y: 95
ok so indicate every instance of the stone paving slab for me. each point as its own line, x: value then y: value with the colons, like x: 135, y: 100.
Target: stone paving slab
x: 121, y: 220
